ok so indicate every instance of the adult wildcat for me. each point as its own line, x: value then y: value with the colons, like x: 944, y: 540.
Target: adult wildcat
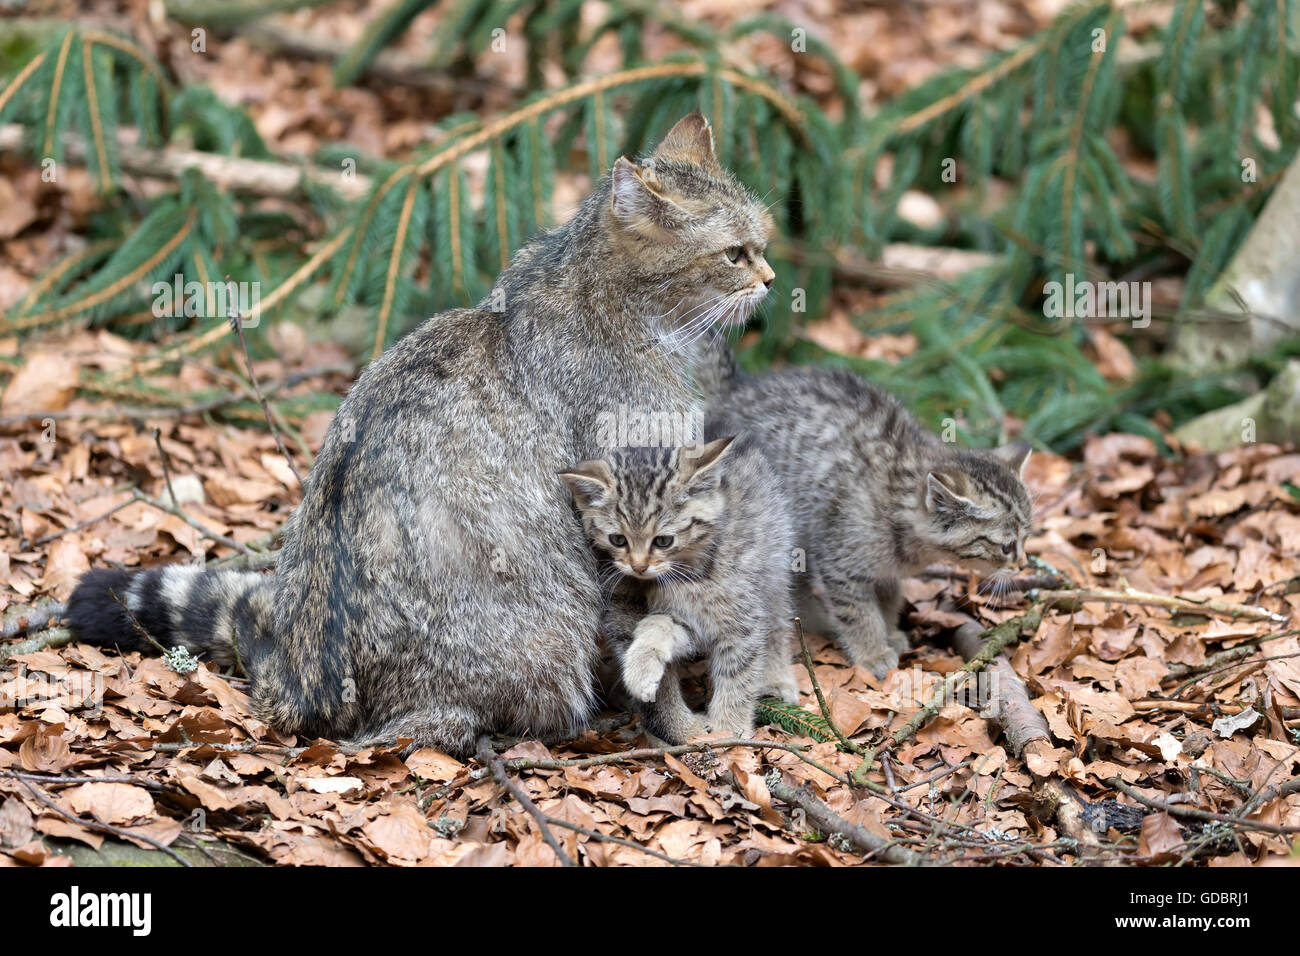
x: 434, y: 583
x: 875, y: 497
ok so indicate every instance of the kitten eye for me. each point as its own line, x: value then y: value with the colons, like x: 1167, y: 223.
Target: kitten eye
x: 1009, y: 548
x: 618, y: 540
x: 735, y: 253
x: 664, y: 541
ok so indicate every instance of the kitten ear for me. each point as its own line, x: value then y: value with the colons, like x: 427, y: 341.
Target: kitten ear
x: 635, y: 203
x: 590, y: 482
x: 690, y: 141
x: 700, y: 463
x: 941, y: 495
x: 1015, y: 456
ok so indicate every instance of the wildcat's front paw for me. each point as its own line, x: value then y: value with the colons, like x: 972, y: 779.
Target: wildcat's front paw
x: 647, y: 655
x: 879, y: 663
x: 782, y: 685
x: 896, y: 639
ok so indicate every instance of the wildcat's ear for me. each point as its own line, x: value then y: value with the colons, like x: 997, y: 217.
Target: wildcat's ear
x: 700, y: 464
x: 942, y: 495
x: 689, y: 141
x: 590, y: 482
x: 636, y: 203
x: 1015, y: 456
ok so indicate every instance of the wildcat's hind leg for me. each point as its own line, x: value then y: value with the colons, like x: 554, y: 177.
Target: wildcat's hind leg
x: 452, y: 730
x: 889, y: 594
x: 779, y: 674
x: 667, y: 717
x: 736, y: 669
x: 860, y: 625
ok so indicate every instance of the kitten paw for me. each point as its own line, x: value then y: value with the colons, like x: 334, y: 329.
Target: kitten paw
x: 787, y: 688
x: 897, y: 640
x: 642, y: 672
x: 647, y: 656
x: 880, y: 663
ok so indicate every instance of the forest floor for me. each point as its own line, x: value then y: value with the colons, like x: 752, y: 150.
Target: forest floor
x: 1183, y: 715
x: 1192, y: 706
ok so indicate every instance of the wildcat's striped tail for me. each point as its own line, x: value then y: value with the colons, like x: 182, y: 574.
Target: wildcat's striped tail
x: 219, y: 616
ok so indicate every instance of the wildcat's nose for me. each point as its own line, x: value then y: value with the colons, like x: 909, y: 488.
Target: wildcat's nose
x: 639, y: 568
x: 765, y: 273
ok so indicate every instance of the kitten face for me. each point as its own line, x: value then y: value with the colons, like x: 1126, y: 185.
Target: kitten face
x: 695, y: 228
x: 977, y: 509
x: 651, y: 511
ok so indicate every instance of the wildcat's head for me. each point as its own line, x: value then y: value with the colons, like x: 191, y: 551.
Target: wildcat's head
x: 687, y: 226
x: 977, y: 510
x: 651, y: 510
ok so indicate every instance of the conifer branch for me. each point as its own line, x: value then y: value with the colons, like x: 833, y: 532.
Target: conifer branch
x: 125, y: 282
x: 56, y: 86
x: 17, y: 82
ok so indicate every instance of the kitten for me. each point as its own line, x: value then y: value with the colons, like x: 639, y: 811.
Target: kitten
x: 432, y: 585
x: 700, y: 534
x: 875, y: 497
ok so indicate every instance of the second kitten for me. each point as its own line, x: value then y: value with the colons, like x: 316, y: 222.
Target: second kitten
x: 875, y: 498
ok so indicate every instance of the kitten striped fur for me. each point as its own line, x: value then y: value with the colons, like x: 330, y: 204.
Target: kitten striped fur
x: 875, y: 497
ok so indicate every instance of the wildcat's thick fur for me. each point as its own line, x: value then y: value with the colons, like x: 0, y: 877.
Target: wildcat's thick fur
x: 875, y: 497
x: 702, y: 537
x: 434, y: 583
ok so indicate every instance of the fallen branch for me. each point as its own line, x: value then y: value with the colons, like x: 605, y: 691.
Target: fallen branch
x: 54, y: 637
x: 257, y: 177
x: 1029, y: 736
x: 1192, y: 813
x: 829, y: 821
x: 1170, y: 602
x: 996, y: 639
x: 37, y: 618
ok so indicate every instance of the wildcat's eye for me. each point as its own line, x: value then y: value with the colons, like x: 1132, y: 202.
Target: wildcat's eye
x: 664, y: 541
x: 618, y: 541
x: 1009, y: 548
x: 735, y: 253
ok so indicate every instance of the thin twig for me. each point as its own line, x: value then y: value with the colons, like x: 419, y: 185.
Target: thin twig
x: 47, y: 538
x: 1169, y: 602
x: 238, y: 326
x: 654, y: 753
x: 105, y: 827
x: 847, y: 744
x: 206, y: 532
x: 609, y: 838
x: 167, y: 472
x: 492, y: 759
x: 61, y: 781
